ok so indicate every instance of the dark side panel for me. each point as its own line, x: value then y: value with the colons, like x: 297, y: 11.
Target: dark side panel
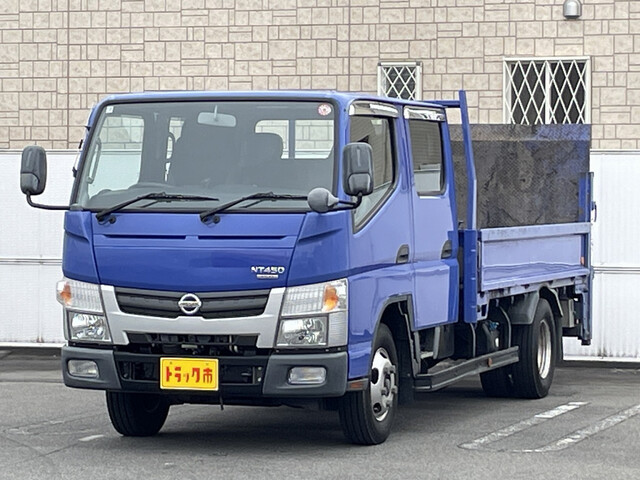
x: 527, y: 175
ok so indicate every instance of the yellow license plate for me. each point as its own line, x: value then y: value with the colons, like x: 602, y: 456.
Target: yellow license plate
x: 189, y: 374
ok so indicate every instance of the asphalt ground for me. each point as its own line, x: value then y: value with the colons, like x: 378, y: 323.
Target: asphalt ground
x: 587, y: 428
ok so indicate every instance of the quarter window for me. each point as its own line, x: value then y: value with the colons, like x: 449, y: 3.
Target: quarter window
x: 426, y: 153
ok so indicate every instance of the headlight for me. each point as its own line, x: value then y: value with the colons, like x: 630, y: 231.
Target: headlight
x: 314, y: 315
x: 88, y: 327
x: 84, y: 312
x: 302, y: 332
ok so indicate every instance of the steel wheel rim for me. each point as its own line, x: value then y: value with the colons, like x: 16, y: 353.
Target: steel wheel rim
x: 544, y: 349
x: 382, y: 384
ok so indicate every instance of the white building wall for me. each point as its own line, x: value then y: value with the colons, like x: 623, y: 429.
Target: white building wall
x: 31, y: 247
x: 615, y: 257
x: 30, y: 252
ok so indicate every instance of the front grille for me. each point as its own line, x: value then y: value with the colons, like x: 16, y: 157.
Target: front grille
x: 156, y: 303
x: 185, y: 344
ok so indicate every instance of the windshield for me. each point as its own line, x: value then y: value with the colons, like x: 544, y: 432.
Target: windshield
x: 212, y: 151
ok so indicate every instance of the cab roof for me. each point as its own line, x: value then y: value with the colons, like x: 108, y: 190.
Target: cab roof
x: 343, y: 99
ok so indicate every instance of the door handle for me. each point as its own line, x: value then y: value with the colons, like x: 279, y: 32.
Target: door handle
x: 403, y: 254
x: 447, y: 249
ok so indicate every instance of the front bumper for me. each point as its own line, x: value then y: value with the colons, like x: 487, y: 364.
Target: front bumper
x: 260, y: 376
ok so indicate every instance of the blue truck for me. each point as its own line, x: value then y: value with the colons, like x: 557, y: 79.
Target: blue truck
x: 313, y: 249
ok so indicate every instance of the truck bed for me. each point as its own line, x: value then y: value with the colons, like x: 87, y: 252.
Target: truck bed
x: 515, y: 260
x: 524, y: 203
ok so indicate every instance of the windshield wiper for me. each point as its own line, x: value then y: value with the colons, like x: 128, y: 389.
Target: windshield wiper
x: 157, y: 196
x: 205, y: 216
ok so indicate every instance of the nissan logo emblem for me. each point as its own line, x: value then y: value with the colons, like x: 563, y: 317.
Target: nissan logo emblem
x: 189, y: 304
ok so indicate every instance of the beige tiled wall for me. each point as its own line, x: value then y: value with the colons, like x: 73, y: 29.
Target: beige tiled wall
x: 58, y: 57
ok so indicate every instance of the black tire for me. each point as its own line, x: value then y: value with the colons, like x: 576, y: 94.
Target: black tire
x: 137, y: 414
x: 538, y: 342
x: 367, y: 416
x: 498, y: 383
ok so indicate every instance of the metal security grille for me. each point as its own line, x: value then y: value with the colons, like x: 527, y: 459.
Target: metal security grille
x: 400, y: 80
x: 547, y: 91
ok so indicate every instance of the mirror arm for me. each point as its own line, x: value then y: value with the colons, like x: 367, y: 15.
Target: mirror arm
x: 347, y: 205
x: 45, y: 207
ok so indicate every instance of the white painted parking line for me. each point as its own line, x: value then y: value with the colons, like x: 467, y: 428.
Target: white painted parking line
x: 90, y: 437
x: 585, y: 433
x: 482, y: 442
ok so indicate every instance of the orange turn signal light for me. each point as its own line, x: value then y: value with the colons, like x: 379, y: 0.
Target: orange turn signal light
x: 65, y: 294
x: 330, y: 299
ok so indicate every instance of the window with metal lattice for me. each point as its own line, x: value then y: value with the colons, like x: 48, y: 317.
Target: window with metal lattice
x: 547, y: 91
x: 400, y: 80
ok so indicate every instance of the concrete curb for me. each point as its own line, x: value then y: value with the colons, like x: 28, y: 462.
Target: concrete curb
x: 39, y: 352
x: 631, y: 365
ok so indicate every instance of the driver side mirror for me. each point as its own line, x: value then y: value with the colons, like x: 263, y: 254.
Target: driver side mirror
x: 357, y: 160
x: 33, y: 171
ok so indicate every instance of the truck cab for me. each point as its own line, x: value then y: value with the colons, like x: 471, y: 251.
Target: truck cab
x: 290, y: 248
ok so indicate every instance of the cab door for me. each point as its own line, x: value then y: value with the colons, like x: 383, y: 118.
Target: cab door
x: 435, y: 243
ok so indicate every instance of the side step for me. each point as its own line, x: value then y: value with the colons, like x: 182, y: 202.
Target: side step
x: 430, y: 382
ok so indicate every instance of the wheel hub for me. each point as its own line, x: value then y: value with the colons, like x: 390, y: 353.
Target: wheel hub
x: 382, y: 384
x: 544, y: 349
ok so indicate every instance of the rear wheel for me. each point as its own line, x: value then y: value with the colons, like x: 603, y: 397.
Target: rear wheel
x: 366, y: 417
x: 538, y: 342
x: 137, y: 414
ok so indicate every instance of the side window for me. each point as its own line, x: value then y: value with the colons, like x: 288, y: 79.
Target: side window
x: 313, y: 138
x: 175, y: 131
x: 377, y: 133
x: 426, y: 152
x: 115, y: 160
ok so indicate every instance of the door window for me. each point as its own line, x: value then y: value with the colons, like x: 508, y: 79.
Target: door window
x: 377, y: 133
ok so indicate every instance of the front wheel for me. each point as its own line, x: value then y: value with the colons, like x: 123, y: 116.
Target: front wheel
x: 137, y: 414
x: 366, y: 417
